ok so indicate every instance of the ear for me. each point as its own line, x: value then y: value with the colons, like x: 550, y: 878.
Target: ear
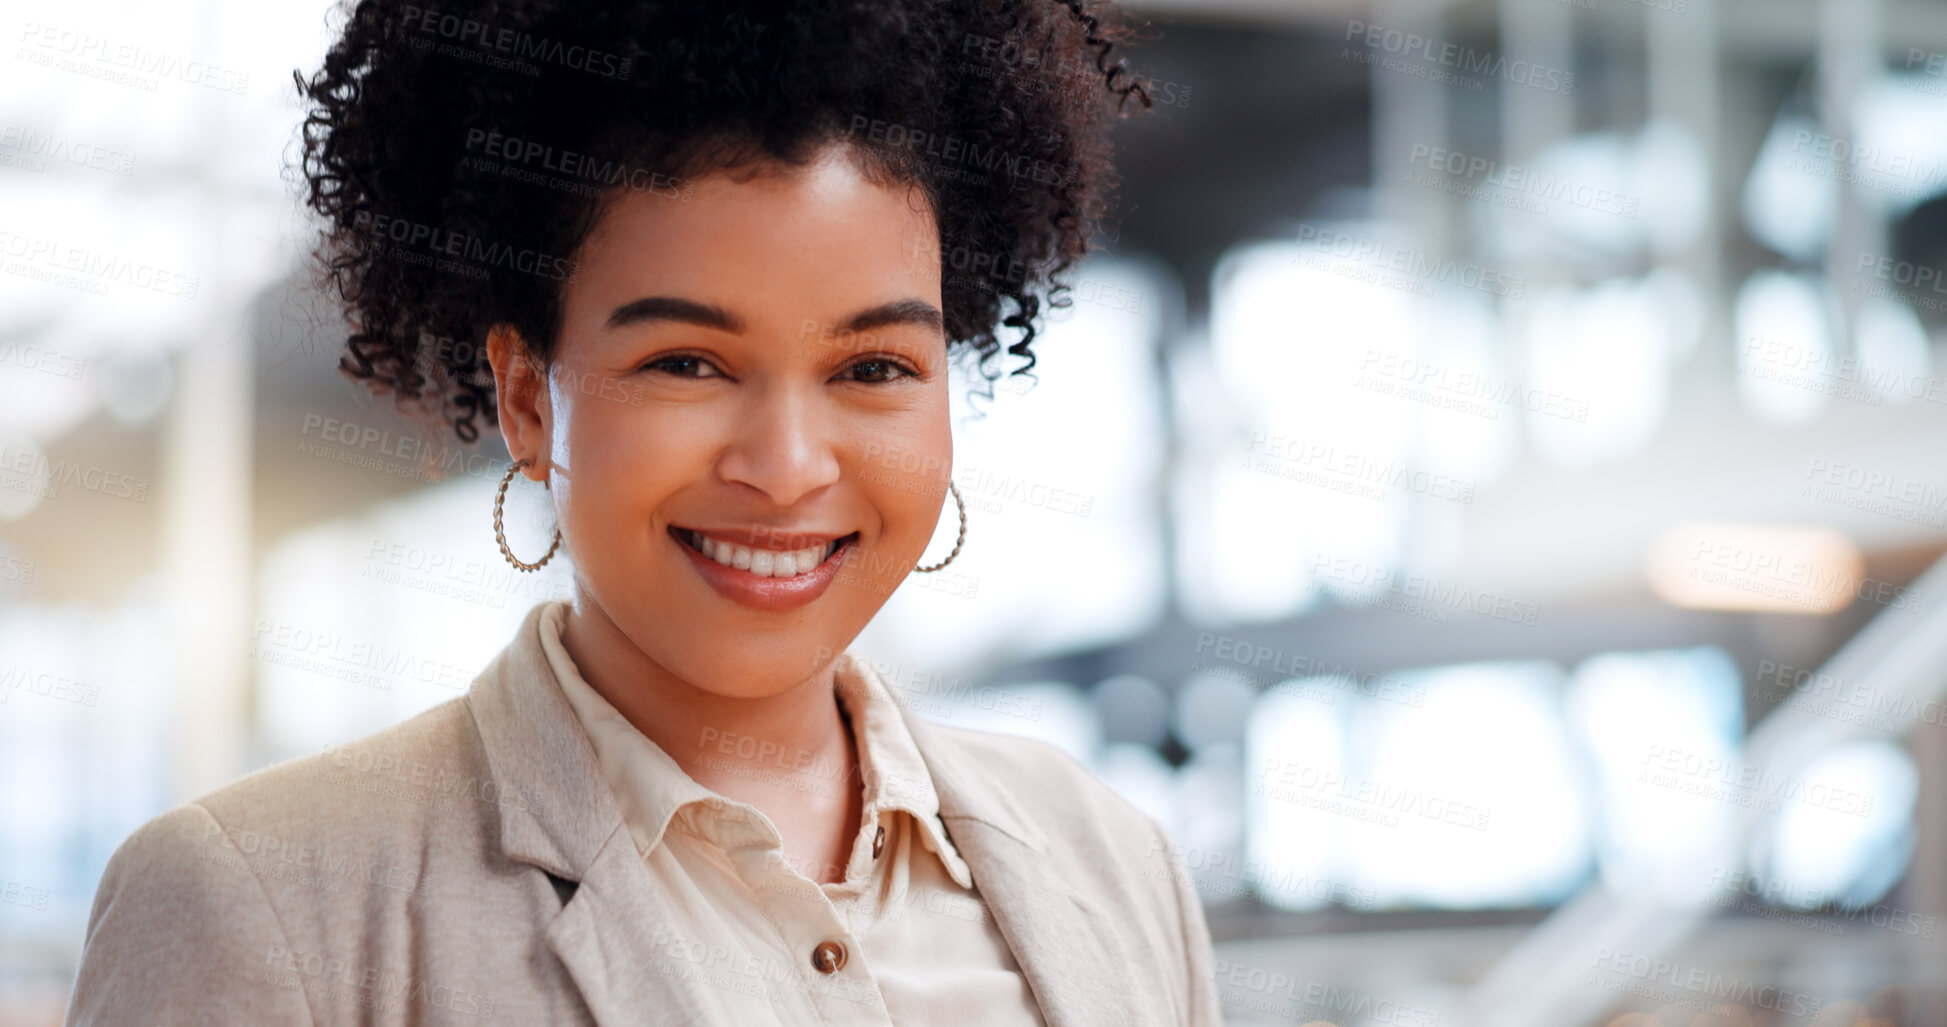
x: 521, y: 396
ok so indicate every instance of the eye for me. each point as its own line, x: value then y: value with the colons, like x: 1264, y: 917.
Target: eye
x: 680, y: 365
x: 878, y: 371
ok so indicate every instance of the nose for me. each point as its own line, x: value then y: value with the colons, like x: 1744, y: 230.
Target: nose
x: 782, y: 444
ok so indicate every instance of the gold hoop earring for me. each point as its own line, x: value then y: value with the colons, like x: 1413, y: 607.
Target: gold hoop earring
x: 955, y: 489
x: 500, y: 533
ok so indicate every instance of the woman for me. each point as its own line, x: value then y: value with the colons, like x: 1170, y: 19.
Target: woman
x: 704, y: 266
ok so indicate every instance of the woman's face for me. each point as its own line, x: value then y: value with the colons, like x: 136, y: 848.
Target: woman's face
x: 762, y: 364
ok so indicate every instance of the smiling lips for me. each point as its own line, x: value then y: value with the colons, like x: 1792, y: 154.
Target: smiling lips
x: 765, y: 578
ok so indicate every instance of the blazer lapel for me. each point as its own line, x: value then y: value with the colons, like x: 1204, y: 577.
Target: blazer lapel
x: 1066, y: 944
x: 607, y: 937
x: 558, y: 814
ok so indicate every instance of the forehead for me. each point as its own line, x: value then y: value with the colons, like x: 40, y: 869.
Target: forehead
x: 777, y: 244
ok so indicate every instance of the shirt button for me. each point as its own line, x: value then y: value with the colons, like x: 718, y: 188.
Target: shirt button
x: 878, y: 841
x: 828, y: 957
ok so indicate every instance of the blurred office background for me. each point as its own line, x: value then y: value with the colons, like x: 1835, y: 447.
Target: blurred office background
x: 1485, y: 497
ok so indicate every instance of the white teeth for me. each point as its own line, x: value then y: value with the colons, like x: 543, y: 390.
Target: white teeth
x: 765, y: 562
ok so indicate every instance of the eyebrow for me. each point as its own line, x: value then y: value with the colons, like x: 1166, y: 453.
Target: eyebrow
x: 653, y: 309
x: 907, y: 312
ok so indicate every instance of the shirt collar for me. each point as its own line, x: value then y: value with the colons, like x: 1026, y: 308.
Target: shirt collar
x: 895, y: 774
x: 650, y: 787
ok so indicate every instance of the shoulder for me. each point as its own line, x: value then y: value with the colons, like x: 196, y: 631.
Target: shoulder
x: 1099, y: 843
x: 1019, y: 760
x: 294, y: 885
x: 409, y: 772
x: 280, y: 842
x: 171, y: 938
x: 1074, y: 810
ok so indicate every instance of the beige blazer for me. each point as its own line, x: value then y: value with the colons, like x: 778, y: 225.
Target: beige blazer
x: 471, y: 866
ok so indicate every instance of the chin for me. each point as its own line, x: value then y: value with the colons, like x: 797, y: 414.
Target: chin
x: 758, y: 670
x: 728, y: 650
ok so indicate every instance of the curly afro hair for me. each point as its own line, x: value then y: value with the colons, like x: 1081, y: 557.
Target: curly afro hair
x: 460, y: 155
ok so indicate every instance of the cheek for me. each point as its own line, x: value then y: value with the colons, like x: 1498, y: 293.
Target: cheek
x: 906, y: 472
x: 618, y: 466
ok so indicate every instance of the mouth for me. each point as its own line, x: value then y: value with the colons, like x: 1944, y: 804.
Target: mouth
x: 773, y: 580
x: 785, y: 557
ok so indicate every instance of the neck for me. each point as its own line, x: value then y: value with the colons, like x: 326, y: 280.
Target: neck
x: 796, y: 742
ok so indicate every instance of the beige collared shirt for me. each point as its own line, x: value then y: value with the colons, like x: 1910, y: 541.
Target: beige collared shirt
x: 904, y: 939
